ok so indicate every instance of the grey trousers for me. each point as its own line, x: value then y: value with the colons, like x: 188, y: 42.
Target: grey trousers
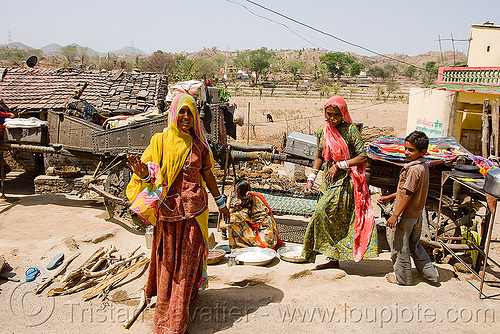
x: 405, y: 243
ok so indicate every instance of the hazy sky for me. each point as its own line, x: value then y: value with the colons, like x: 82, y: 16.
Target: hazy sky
x: 387, y: 26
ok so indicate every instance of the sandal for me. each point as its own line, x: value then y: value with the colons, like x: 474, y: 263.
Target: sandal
x: 32, y: 273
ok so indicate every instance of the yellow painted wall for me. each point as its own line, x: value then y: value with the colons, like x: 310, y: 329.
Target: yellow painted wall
x: 482, y: 37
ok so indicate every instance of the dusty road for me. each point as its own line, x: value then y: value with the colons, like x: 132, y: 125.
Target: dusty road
x: 279, y: 298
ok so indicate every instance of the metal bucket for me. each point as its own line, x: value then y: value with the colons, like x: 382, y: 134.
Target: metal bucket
x: 492, y: 182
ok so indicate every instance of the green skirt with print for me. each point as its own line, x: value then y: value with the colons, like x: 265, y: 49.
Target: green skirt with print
x: 330, y: 231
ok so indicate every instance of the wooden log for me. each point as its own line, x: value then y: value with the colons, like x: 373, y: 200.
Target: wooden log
x: 112, y: 279
x: 495, y: 120
x: 142, y: 306
x: 112, y: 267
x: 97, y: 254
x: 57, y: 273
x: 486, y: 129
x: 102, y: 259
x: 76, y: 288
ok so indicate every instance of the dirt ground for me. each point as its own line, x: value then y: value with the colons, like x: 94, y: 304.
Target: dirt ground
x: 305, y: 115
x: 281, y: 297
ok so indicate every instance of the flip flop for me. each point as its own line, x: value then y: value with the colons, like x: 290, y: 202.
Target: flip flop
x: 32, y: 273
x: 56, y: 261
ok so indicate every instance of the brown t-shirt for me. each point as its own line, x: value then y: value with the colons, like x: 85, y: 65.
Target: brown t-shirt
x: 414, y: 177
x: 186, y: 198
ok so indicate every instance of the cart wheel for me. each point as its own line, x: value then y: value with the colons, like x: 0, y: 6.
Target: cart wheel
x: 116, y: 184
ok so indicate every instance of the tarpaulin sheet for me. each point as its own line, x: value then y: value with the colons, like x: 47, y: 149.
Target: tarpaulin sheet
x: 391, y: 149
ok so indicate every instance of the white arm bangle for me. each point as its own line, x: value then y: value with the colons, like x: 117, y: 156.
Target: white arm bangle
x: 147, y: 179
x: 342, y: 164
x: 311, y: 177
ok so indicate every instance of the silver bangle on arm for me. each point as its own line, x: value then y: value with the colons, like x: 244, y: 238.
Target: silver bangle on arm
x: 342, y: 164
x: 311, y: 177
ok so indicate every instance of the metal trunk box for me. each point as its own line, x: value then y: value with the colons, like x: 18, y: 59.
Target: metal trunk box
x: 301, y: 145
x: 30, y: 135
x: 70, y: 131
x: 132, y: 138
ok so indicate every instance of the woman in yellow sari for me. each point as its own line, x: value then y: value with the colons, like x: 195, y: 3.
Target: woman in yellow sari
x: 167, y: 190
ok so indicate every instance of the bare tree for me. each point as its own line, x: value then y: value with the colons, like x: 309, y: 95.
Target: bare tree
x: 82, y: 55
x: 161, y: 62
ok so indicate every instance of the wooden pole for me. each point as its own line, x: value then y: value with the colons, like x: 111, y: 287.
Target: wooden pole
x: 486, y: 133
x: 495, y: 120
x: 248, y: 124
x: 2, y: 176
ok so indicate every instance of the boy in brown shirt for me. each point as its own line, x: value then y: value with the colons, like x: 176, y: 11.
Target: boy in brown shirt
x: 407, y: 217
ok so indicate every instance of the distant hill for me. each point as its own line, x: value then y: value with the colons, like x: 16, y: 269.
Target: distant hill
x: 55, y: 49
x: 17, y: 45
x: 51, y: 49
x: 129, y: 50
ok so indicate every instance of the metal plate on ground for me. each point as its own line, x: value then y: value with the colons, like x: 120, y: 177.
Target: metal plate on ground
x: 291, y: 253
x: 254, y: 256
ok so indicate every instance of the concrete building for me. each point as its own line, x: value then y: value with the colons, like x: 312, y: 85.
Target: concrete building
x: 455, y: 107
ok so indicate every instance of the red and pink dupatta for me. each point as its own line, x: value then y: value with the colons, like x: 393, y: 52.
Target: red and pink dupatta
x: 336, y: 148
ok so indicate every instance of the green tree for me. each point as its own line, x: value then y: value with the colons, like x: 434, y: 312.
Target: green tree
x: 261, y: 89
x: 391, y: 87
x: 15, y: 57
x: 325, y: 90
x: 69, y: 53
x: 410, y: 72
x: 295, y: 66
x: 377, y: 72
x: 355, y: 69
x: 429, y: 74
x: 338, y: 63
x: 317, y: 70
x: 391, y: 69
x: 255, y: 61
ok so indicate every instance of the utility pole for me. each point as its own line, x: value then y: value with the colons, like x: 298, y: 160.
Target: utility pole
x: 453, y: 43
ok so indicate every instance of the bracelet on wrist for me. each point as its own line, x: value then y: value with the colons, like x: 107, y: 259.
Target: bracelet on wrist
x: 311, y: 177
x: 146, y: 179
x: 342, y: 164
x: 221, y: 203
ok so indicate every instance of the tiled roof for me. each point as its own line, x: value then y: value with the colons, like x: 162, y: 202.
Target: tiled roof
x: 40, y: 88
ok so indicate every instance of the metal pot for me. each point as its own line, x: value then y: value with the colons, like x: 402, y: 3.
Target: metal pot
x: 492, y: 182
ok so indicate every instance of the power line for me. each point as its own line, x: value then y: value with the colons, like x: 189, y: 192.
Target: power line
x: 330, y: 35
x: 268, y: 19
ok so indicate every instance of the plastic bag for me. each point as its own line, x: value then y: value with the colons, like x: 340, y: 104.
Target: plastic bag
x: 239, y: 117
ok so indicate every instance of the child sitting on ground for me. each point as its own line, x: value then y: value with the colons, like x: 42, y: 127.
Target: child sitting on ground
x: 252, y: 222
x: 406, y: 221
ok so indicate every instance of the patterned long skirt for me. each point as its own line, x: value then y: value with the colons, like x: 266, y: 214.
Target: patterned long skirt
x: 175, y: 269
x: 330, y: 231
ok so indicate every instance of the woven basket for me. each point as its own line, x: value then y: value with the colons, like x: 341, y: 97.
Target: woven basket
x: 215, y: 256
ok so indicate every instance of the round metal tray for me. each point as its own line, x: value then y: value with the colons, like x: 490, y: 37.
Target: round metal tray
x: 291, y: 253
x: 254, y: 256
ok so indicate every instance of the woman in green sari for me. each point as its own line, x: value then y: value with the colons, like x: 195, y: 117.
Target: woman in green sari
x: 342, y: 224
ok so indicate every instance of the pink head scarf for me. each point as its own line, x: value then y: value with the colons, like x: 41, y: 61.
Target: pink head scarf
x: 336, y: 148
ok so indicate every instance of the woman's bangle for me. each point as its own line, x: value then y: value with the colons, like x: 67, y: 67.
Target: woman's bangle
x: 221, y: 203
x: 342, y: 164
x: 311, y: 177
x: 146, y: 179
x: 217, y: 198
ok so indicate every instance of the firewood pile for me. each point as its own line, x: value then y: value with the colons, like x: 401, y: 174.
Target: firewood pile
x: 261, y: 176
x: 103, y: 270
x: 370, y: 133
